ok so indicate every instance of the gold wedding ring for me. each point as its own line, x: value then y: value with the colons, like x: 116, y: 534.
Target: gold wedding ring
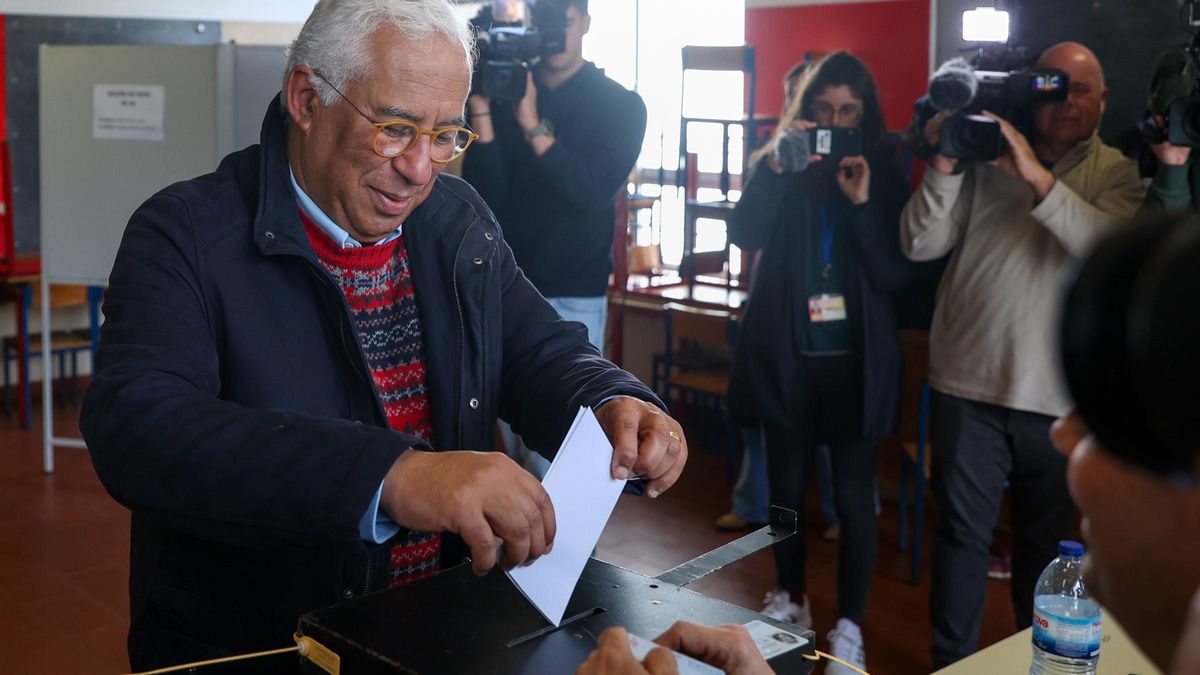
x: 674, y: 435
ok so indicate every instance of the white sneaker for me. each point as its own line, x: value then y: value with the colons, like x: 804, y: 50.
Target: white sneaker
x: 779, y: 606
x: 846, y: 643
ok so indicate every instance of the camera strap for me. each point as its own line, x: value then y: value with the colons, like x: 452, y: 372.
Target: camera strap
x: 827, y: 225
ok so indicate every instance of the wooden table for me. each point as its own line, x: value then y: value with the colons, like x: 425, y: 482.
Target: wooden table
x: 642, y: 298
x: 1013, y: 654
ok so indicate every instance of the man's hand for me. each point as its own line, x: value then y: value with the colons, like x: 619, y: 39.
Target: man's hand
x: 1020, y: 161
x: 1171, y: 155
x: 526, y: 109
x: 933, y: 136
x: 481, y: 496
x: 614, y: 657
x: 854, y: 178
x: 729, y: 648
x: 646, y: 442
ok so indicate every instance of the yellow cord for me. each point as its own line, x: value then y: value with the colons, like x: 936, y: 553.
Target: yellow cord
x: 820, y: 654
x: 227, y: 659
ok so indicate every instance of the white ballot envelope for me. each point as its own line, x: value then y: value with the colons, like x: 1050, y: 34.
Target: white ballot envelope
x: 583, y: 491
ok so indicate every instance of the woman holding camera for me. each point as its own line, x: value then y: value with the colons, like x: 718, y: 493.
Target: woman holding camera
x: 817, y: 358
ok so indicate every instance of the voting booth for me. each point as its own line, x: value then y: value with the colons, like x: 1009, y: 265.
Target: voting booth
x: 117, y: 124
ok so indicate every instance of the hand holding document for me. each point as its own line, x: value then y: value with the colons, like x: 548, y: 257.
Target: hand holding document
x: 583, y: 491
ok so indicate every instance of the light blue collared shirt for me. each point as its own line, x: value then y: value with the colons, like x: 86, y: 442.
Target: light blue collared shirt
x: 339, y: 236
x: 374, y: 526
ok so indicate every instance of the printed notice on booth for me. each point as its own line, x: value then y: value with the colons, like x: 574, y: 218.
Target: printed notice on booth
x: 128, y: 112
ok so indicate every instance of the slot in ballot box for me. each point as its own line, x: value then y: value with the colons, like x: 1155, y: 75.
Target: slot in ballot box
x: 459, y: 623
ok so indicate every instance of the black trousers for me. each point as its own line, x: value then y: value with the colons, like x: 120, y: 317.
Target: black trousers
x: 976, y: 447
x: 830, y: 411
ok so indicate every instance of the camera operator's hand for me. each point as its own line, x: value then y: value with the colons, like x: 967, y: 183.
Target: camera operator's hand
x: 479, y: 112
x: 1168, y: 154
x: 526, y: 111
x: 933, y: 136
x: 1020, y: 161
x: 796, y: 125
x: 854, y: 178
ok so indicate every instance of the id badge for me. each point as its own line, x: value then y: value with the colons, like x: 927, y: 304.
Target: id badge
x: 827, y: 307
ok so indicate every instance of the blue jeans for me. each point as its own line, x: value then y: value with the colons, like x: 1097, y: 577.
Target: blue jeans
x: 591, y: 312
x: 751, y: 495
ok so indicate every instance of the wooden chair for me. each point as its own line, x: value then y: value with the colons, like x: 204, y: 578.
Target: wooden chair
x: 64, y: 344
x: 689, y: 330
x: 645, y: 260
x: 740, y: 59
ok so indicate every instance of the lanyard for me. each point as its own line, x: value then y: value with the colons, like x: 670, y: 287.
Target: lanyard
x: 827, y: 227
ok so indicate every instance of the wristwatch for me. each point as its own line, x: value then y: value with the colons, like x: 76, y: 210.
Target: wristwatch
x: 543, y: 128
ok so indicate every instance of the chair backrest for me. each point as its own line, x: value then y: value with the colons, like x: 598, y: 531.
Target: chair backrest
x: 706, y: 57
x: 703, y: 262
x: 645, y: 259
x: 61, y: 295
x: 694, y: 324
x: 738, y: 58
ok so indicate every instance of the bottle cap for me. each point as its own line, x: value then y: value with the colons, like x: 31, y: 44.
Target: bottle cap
x: 1070, y: 548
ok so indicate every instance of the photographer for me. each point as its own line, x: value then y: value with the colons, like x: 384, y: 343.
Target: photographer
x: 1172, y: 186
x: 550, y: 166
x: 1011, y: 224
x: 818, y: 359
x: 1174, y: 175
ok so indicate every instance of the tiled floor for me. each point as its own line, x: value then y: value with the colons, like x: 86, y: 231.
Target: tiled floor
x: 64, y: 562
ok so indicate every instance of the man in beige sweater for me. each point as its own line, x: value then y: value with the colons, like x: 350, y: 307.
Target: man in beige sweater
x: 1012, y: 225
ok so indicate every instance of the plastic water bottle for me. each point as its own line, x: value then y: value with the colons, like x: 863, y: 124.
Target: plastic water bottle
x: 1066, y: 622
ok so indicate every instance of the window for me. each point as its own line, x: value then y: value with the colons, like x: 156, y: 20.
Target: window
x: 639, y: 43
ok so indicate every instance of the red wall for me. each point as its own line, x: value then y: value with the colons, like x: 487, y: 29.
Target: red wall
x: 892, y: 38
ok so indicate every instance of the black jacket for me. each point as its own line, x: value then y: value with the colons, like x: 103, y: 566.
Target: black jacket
x: 767, y: 217
x: 558, y: 210
x: 233, y: 413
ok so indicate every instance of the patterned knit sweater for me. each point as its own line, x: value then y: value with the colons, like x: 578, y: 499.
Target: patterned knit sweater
x: 378, y: 286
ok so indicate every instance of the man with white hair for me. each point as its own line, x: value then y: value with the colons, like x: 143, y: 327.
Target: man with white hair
x: 305, y: 353
x: 1011, y: 226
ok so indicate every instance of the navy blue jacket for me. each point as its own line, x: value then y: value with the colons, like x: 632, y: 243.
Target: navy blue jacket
x: 233, y: 413
x: 558, y: 210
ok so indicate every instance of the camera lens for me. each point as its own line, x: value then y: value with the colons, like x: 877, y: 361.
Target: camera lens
x: 971, y: 137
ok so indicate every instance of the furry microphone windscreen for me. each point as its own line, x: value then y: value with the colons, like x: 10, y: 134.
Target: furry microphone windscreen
x: 1174, y: 78
x: 792, y: 151
x: 953, y: 85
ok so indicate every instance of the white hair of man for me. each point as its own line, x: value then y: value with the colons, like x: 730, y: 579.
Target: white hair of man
x: 333, y: 40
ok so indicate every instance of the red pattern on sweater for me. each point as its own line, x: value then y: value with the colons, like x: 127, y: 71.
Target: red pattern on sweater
x: 377, y: 284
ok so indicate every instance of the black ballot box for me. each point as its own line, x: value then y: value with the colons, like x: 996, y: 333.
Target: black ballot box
x: 457, y: 623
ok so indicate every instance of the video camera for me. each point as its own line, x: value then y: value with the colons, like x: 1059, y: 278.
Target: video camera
x: 1173, y: 89
x: 505, y: 53
x: 965, y: 89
